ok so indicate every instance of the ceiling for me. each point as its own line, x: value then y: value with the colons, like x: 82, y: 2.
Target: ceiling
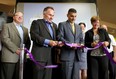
x: 56, y: 0
x: 7, y: 5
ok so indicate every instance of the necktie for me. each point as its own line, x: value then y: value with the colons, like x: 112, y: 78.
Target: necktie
x: 50, y: 28
x: 20, y: 30
x: 73, y: 27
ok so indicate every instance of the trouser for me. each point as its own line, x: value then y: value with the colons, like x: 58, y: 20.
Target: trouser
x: 97, y: 67
x: 9, y: 70
x: 70, y: 69
x: 42, y: 73
x: 111, y: 67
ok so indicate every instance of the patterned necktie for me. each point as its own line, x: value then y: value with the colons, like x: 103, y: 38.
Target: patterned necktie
x: 73, y: 28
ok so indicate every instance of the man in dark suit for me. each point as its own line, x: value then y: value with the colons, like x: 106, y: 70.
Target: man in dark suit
x: 13, y: 36
x: 43, y: 35
x: 70, y: 32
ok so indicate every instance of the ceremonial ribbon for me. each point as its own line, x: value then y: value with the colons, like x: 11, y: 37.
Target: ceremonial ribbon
x: 97, y: 46
x: 37, y: 63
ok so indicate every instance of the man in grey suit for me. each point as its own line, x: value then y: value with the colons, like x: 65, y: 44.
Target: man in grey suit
x: 70, y: 32
x: 13, y: 36
x: 43, y: 35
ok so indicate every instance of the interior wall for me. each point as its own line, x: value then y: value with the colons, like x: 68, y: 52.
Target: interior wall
x: 84, y: 12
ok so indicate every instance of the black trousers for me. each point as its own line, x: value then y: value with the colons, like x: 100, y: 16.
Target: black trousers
x: 0, y: 63
x: 9, y: 70
x: 28, y: 69
x: 97, y: 67
x: 42, y: 73
x: 112, y: 68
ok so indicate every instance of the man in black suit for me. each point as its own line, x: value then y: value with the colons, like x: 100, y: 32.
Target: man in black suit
x: 43, y: 35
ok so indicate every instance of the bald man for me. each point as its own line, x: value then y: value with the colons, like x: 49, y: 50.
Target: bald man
x: 13, y: 36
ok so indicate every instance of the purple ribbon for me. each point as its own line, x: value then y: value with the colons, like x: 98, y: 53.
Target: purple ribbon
x: 74, y: 45
x: 108, y: 55
x: 37, y: 63
x: 82, y: 46
x: 97, y: 46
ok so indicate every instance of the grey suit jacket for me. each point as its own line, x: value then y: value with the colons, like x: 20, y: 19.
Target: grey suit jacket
x: 11, y: 42
x: 65, y: 34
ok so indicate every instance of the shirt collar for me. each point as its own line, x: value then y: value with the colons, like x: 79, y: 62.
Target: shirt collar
x: 16, y: 24
x: 47, y: 22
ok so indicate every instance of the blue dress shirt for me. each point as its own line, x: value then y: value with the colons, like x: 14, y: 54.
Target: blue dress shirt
x: 49, y: 26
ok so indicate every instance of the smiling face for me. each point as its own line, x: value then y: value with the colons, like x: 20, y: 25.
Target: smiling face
x: 96, y: 24
x: 95, y: 21
x: 18, y: 17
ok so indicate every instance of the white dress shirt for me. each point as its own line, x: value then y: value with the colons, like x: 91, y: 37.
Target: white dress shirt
x: 113, y: 43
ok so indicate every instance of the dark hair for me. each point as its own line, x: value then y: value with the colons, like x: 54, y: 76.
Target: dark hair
x: 82, y: 23
x: 48, y: 7
x: 72, y: 10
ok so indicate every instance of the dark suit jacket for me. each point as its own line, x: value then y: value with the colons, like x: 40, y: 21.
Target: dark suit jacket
x: 39, y: 32
x: 65, y: 34
x: 89, y: 37
x: 11, y: 41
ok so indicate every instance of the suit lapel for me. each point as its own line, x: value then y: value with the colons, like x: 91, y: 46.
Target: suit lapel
x: 77, y: 31
x: 15, y: 29
x: 53, y: 28
x: 69, y: 26
x: 44, y: 25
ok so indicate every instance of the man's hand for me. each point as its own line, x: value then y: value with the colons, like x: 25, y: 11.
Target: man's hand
x: 74, y: 45
x: 53, y: 43
x: 18, y: 51
x: 60, y: 44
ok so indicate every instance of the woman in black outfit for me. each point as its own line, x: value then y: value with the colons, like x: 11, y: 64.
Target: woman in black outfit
x: 97, y: 60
